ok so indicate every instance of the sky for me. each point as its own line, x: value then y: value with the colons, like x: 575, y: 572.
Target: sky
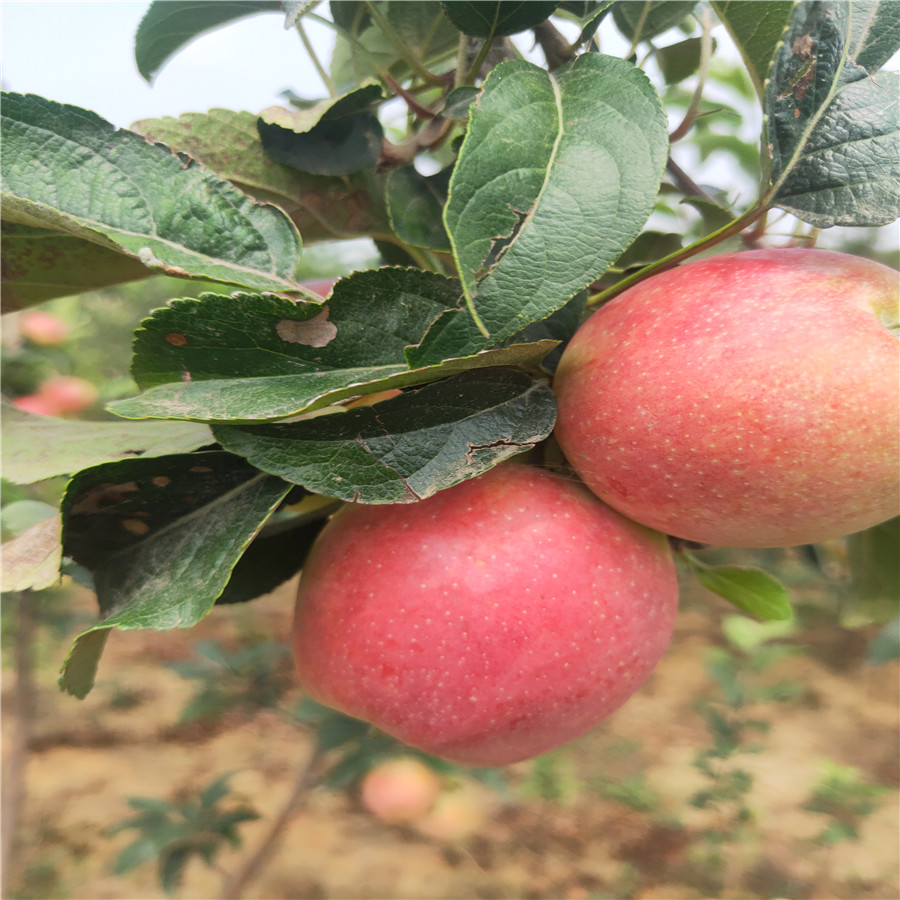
x: 82, y: 52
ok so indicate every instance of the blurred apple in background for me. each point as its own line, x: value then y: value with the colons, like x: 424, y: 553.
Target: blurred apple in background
x: 400, y: 789
x: 460, y: 811
x: 60, y: 395
x: 43, y: 328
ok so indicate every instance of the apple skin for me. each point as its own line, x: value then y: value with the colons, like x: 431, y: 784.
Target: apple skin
x: 749, y: 399
x: 489, y: 623
x: 400, y: 789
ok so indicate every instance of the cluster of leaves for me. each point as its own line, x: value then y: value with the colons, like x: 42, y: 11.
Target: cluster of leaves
x: 736, y: 671
x: 174, y: 832
x: 847, y: 799
x: 249, y: 678
x: 542, y: 180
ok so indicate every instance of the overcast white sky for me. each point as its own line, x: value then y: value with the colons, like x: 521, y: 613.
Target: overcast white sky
x: 82, y: 52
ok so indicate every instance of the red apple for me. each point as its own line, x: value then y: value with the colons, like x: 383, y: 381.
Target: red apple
x: 43, y: 328
x: 745, y: 400
x: 321, y: 286
x: 457, y: 813
x: 35, y: 403
x: 400, y: 789
x: 68, y: 394
x: 489, y: 623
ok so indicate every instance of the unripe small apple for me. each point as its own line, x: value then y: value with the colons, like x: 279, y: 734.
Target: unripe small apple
x: 489, y: 623
x: 43, y: 328
x: 457, y: 813
x: 68, y: 394
x: 750, y: 399
x: 400, y: 789
x: 35, y: 403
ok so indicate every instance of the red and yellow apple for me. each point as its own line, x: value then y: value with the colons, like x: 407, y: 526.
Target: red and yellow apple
x: 489, y: 623
x: 60, y: 395
x: 400, y: 789
x: 43, y: 328
x: 750, y: 399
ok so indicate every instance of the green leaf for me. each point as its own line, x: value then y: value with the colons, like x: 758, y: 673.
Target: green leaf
x: 415, y: 205
x: 591, y: 15
x: 874, y: 573
x: 40, y: 265
x: 31, y: 561
x: 832, y: 129
x: 874, y: 33
x: 39, y: 447
x: 334, y: 137
x: 681, y: 60
x: 68, y: 170
x: 228, y: 143
x: 249, y: 357
x: 161, y: 537
x: 459, y: 100
x: 756, y: 29
x: 170, y: 25
x: 80, y: 667
x: 645, y: 20
x: 492, y: 18
x: 556, y: 176
x: 752, y: 590
x: 408, y: 447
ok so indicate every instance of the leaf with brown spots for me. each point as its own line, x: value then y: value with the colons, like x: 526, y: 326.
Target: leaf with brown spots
x: 161, y: 537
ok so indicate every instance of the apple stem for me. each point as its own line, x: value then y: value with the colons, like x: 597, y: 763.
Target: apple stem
x: 673, y: 259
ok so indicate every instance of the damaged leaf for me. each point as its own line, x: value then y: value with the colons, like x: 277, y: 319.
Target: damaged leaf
x: 161, y: 537
x: 252, y: 357
x: 832, y: 127
x: 556, y: 176
x: 407, y: 447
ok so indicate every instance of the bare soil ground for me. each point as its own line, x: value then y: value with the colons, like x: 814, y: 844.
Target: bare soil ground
x: 588, y: 841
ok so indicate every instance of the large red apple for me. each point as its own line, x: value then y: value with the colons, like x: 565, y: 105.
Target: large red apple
x: 745, y: 400
x: 489, y: 623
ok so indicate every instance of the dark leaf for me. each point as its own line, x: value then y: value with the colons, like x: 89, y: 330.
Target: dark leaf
x: 335, y: 137
x: 408, y: 447
x: 275, y: 555
x: 492, y: 18
x: 161, y: 537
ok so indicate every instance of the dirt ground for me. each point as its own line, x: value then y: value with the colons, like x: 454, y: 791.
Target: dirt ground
x: 584, y: 839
